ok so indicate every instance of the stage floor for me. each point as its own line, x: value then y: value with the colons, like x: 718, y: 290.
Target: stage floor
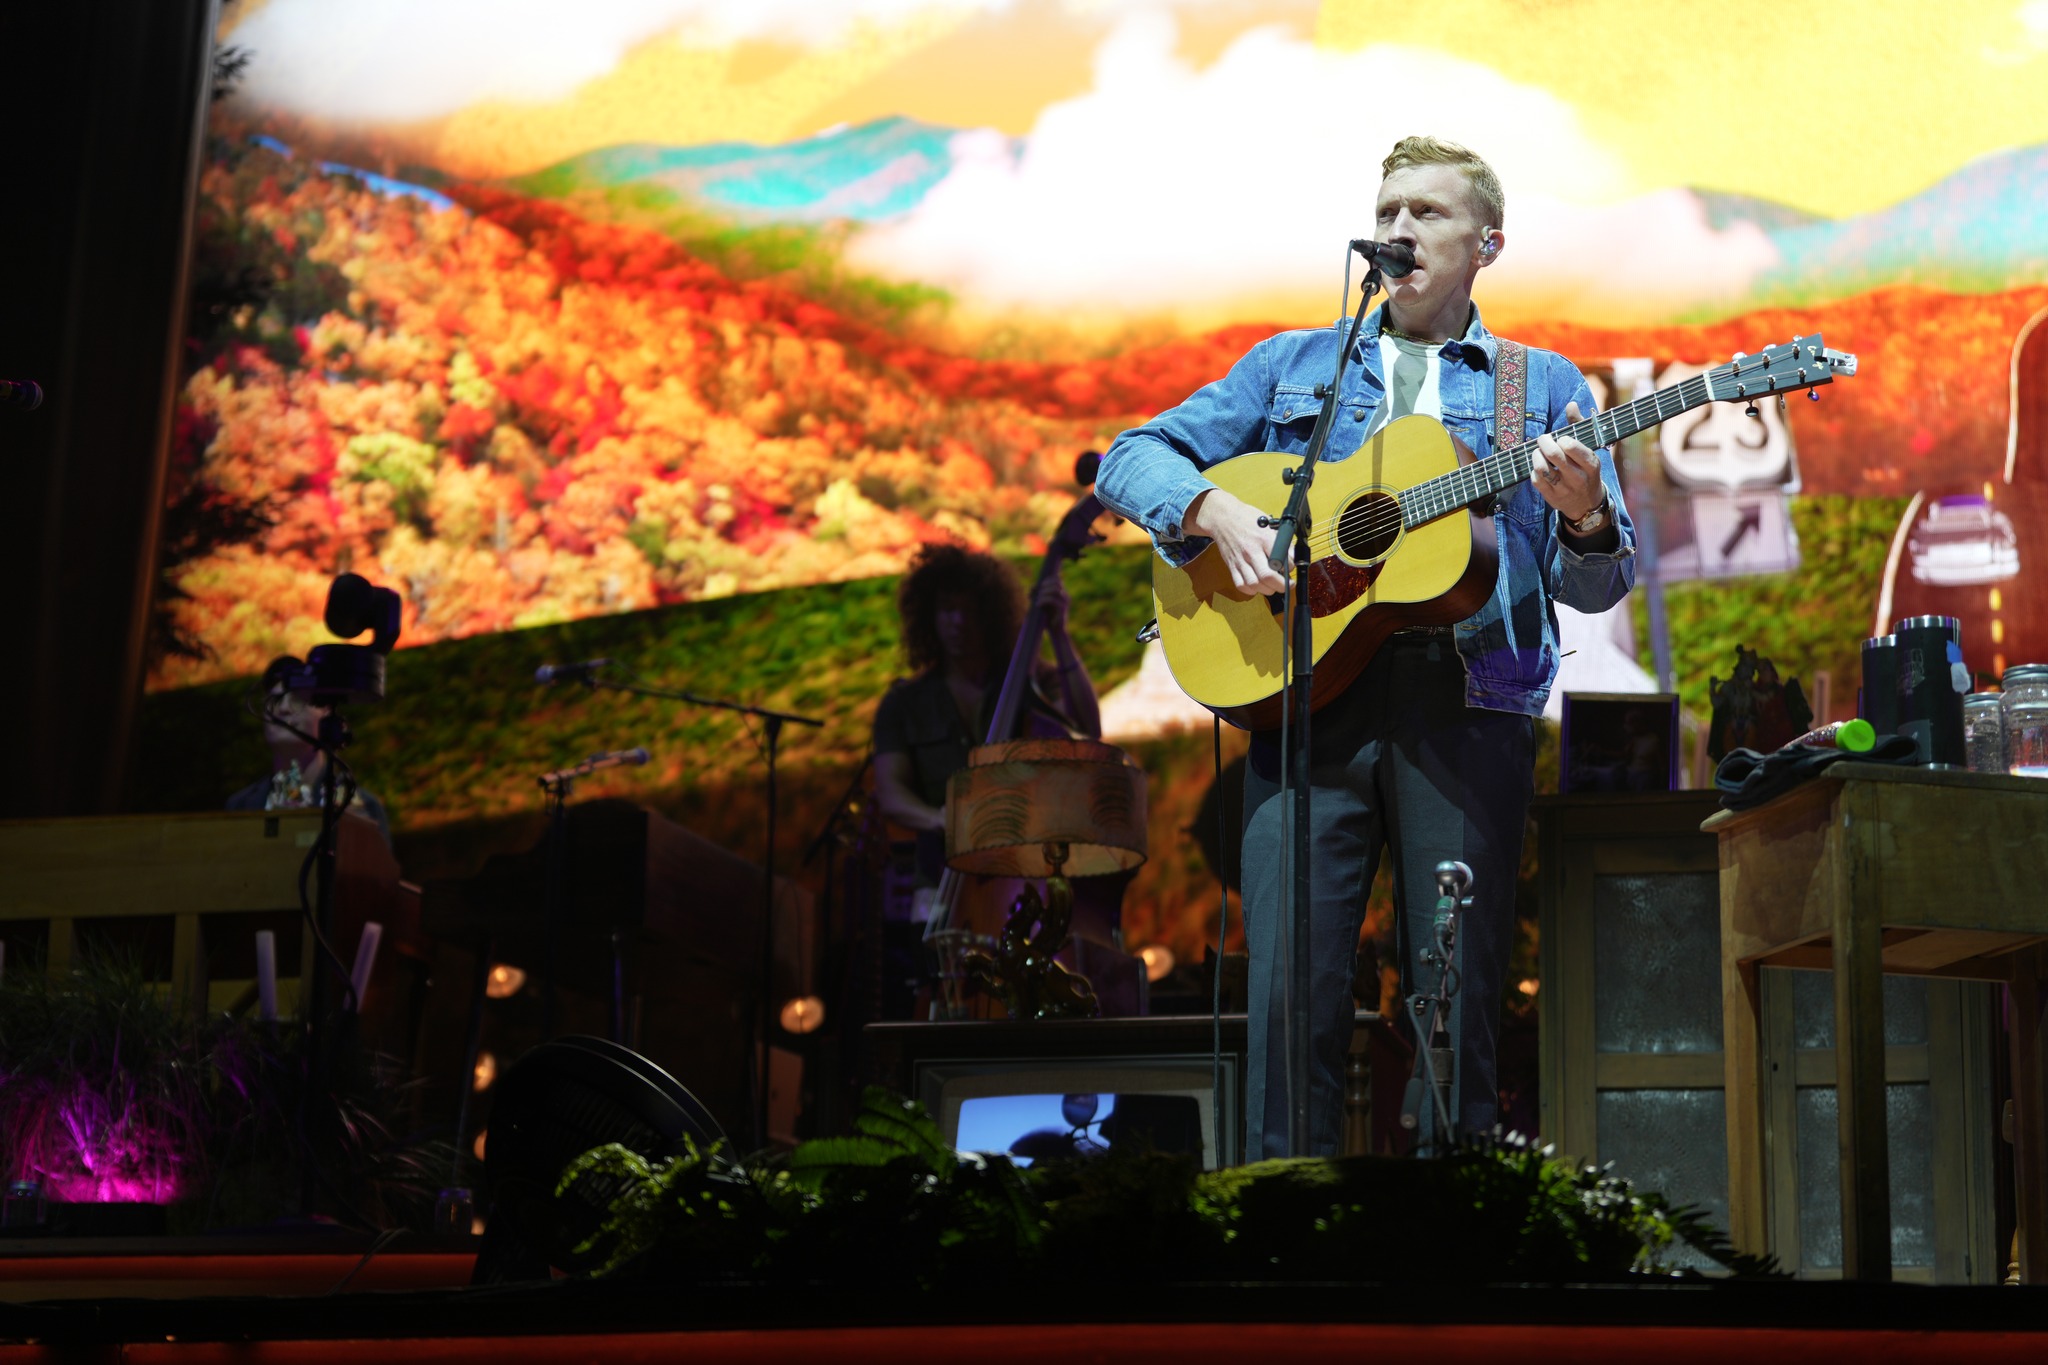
x: 371, y: 1317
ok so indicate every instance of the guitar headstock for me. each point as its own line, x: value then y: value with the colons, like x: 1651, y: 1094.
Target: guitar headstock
x: 1801, y: 363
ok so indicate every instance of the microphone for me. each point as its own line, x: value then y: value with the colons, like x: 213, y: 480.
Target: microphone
x: 1393, y: 259
x: 617, y: 758
x: 583, y: 672
x: 23, y: 394
x: 1453, y: 880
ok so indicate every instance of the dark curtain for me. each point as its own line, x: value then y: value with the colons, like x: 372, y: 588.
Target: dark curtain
x: 102, y: 109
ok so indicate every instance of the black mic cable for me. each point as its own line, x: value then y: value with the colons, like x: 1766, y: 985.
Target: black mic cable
x: 1222, y: 937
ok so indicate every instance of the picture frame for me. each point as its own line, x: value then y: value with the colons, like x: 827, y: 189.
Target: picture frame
x: 1619, y: 742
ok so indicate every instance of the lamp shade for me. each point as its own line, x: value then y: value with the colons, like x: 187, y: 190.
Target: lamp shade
x: 1013, y: 800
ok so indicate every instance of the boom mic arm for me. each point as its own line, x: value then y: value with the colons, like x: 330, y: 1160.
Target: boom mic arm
x: 617, y: 758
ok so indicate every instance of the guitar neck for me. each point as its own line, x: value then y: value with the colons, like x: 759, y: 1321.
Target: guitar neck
x: 1505, y: 468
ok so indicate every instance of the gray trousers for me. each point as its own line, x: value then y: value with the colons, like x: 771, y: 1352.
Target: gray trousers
x: 1398, y: 761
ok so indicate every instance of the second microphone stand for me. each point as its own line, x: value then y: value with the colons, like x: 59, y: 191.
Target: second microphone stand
x: 1291, y: 540
x: 772, y: 722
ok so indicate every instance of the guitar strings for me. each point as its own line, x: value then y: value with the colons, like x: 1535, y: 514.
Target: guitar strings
x: 1371, y: 518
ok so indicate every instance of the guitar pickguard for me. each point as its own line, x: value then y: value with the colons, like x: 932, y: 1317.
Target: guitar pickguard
x: 1334, y: 585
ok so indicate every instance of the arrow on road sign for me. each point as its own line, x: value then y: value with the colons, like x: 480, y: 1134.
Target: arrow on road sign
x: 1752, y: 520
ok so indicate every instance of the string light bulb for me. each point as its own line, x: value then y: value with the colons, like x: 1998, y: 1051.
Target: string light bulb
x: 803, y: 1014
x: 1158, y: 960
x: 504, y: 981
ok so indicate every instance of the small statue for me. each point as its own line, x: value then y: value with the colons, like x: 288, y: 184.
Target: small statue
x: 1754, y: 709
x: 1022, y: 973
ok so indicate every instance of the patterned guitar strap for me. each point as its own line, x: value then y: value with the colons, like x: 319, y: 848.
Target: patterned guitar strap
x: 1510, y: 393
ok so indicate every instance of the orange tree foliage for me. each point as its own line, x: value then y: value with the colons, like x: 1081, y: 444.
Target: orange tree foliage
x: 518, y: 416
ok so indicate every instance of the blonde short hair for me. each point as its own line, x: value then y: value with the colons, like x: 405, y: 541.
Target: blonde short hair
x: 1435, y: 151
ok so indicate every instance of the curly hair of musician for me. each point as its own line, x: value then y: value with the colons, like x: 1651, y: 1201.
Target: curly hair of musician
x: 1436, y: 151
x: 988, y: 585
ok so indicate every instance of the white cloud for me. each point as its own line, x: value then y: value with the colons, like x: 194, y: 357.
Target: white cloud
x: 2033, y: 22
x: 1166, y: 189
x: 400, y: 60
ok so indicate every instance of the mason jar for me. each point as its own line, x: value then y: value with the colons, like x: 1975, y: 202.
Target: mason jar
x: 2026, y: 720
x: 1984, y: 731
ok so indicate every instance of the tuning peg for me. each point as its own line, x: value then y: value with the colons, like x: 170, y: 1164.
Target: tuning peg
x: 1813, y: 395
x: 1751, y: 411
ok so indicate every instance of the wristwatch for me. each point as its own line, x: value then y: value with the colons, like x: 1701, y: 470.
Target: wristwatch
x: 1593, y: 521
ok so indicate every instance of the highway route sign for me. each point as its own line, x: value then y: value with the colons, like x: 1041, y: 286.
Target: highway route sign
x: 1736, y: 534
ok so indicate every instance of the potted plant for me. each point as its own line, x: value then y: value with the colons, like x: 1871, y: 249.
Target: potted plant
x: 110, y: 1100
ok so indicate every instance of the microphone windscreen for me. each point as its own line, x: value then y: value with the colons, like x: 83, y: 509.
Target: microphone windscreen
x: 636, y: 757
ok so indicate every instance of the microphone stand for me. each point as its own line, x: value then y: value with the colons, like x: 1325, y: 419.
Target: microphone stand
x: 772, y: 722
x: 331, y: 737
x: 1436, y: 1060
x: 1291, y: 528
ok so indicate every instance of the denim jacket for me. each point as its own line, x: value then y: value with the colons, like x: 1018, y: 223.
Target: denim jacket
x: 1268, y: 402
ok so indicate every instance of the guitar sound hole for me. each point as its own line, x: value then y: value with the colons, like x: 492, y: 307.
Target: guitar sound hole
x: 1368, y: 527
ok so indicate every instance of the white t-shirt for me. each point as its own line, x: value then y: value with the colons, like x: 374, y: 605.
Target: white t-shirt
x: 1414, y: 373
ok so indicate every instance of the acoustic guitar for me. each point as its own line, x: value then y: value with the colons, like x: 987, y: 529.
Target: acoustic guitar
x: 1400, y: 535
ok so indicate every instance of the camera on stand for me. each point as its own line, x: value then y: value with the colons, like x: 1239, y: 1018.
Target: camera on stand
x: 345, y: 674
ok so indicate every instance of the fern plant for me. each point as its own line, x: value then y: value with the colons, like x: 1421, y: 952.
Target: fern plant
x: 892, y: 1202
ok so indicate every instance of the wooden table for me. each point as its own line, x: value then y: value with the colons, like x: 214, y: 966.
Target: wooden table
x: 1870, y: 869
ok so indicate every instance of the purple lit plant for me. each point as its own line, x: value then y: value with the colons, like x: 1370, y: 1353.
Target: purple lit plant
x: 107, y: 1094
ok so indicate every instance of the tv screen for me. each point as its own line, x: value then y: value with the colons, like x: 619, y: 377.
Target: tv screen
x: 1031, y: 1128
x: 1038, y: 1109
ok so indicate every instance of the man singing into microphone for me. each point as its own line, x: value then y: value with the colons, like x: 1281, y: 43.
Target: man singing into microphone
x: 1431, y: 751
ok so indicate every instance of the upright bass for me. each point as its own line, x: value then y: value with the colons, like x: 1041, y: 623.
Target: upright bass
x: 1076, y: 533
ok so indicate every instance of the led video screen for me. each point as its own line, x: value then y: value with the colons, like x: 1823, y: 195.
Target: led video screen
x: 538, y: 315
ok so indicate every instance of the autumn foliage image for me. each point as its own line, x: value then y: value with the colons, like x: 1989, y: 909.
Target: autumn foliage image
x: 517, y: 416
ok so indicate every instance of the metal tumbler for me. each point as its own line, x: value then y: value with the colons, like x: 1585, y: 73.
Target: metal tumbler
x: 1933, y: 680
x: 1879, y: 701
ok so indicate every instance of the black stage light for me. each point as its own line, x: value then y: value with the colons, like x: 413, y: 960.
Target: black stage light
x: 554, y: 1104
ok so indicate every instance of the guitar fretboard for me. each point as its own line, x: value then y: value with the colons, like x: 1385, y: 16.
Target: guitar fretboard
x: 1505, y: 468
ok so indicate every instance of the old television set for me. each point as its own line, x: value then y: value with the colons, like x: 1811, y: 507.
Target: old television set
x: 1031, y: 1110
x: 1047, y: 1088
